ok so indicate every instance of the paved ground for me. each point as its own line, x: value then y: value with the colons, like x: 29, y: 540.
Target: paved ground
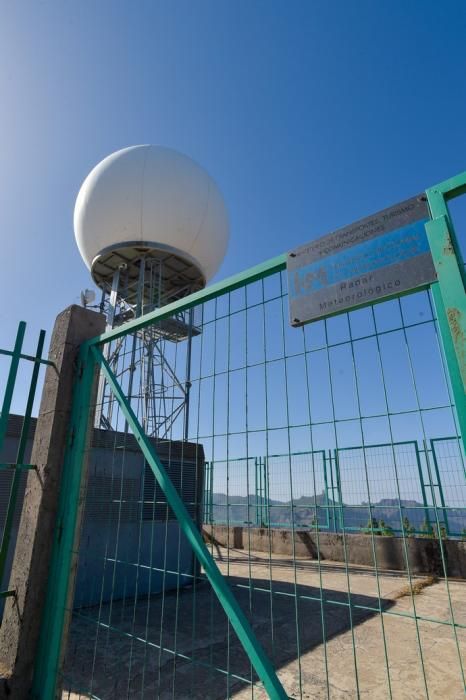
x: 115, y: 652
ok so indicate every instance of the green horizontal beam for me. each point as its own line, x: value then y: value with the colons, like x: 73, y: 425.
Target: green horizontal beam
x: 448, y: 189
x: 13, y: 465
x: 239, y: 622
x: 7, y: 594
x: 30, y: 358
x: 229, y: 285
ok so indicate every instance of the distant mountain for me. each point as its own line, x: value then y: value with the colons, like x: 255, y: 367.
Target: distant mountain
x: 308, y: 508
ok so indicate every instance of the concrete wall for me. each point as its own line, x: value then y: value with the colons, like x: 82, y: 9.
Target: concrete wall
x: 125, y: 551
x: 424, y: 554
x: 114, y: 536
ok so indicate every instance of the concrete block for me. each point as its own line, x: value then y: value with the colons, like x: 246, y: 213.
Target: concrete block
x: 20, y: 628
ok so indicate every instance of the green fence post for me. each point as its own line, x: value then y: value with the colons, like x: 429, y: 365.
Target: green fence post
x: 449, y: 292
x: 267, y: 493
x: 439, y: 485
x: 422, y: 484
x: 211, y: 502
x: 207, y: 518
x: 50, y: 642
x: 324, y: 466
x: 256, y: 494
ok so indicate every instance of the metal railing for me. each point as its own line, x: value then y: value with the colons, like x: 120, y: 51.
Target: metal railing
x: 12, y: 472
x: 363, y: 488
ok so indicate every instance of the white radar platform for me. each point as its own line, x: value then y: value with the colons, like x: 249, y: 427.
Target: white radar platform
x: 152, y: 227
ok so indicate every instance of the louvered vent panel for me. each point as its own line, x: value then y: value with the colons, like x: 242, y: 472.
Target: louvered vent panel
x: 185, y: 478
x: 111, y: 501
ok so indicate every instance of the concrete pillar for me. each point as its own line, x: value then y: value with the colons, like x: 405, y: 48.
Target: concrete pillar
x: 19, y: 632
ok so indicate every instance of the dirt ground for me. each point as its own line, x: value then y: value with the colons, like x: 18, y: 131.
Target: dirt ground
x: 387, y: 643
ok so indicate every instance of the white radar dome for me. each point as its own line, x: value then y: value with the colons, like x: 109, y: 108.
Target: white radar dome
x: 151, y: 198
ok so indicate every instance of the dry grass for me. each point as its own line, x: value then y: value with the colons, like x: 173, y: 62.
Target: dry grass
x: 416, y: 588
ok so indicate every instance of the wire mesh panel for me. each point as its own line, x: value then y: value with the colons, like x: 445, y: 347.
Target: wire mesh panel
x: 335, y: 554
x: 239, y: 477
x: 382, y: 488
x: 449, y: 469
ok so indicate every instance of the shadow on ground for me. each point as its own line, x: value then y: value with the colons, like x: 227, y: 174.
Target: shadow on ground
x: 180, y: 645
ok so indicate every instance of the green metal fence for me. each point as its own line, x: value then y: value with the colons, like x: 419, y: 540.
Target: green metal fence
x: 276, y: 412
x: 363, y: 481
x: 12, y: 473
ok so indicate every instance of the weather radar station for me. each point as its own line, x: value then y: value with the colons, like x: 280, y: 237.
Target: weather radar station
x: 152, y: 227
x: 191, y: 438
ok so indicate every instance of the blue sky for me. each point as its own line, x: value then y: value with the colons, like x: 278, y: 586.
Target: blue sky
x: 308, y: 114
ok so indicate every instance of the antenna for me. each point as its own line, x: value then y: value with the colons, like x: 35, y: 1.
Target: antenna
x: 87, y: 297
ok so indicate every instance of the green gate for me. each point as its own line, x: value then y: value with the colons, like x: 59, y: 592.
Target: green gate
x: 254, y: 616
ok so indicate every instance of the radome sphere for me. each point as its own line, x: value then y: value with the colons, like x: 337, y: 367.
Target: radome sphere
x: 154, y: 196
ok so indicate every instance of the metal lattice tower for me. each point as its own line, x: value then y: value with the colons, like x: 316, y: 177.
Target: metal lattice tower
x: 134, y: 281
